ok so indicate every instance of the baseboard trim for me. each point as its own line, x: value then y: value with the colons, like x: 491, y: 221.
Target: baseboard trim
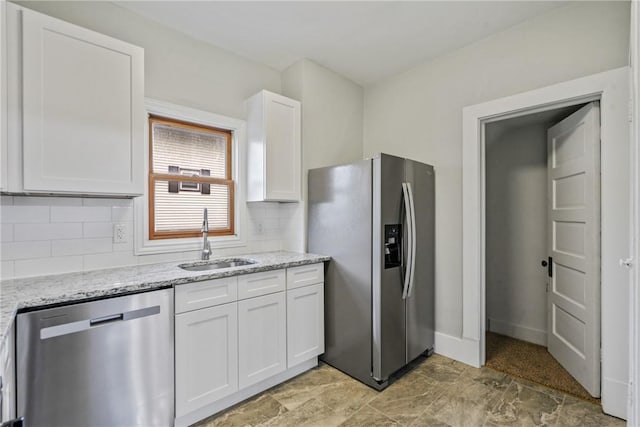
x: 465, y: 350
x: 204, y: 412
x: 520, y: 332
x: 615, y: 397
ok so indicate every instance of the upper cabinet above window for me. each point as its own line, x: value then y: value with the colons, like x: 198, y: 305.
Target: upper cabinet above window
x: 274, y: 163
x: 76, y: 115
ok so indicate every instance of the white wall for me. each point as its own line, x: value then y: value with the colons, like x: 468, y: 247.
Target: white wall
x: 418, y: 114
x: 332, y: 116
x: 516, y: 225
x: 54, y: 235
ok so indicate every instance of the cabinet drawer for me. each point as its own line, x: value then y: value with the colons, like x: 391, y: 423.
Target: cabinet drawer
x: 256, y: 284
x: 305, y: 275
x: 208, y: 293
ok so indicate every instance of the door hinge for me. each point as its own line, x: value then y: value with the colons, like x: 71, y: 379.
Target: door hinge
x: 547, y: 288
x: 630, y: 110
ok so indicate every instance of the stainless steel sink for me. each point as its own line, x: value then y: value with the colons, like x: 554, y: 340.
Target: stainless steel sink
x: 217, y: 264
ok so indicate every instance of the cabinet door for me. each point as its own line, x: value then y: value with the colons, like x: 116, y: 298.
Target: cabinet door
x: 273, y: 152
x: 282, y: 121
x: 262, y: 338
x: 305, y: 321
x: 83, y: 109
x: 206, y: 356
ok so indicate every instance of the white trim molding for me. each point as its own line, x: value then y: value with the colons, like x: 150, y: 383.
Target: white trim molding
x: 144, y: 246
x: 611, y: 88
x: 464, y: 350
x: 634, y: 300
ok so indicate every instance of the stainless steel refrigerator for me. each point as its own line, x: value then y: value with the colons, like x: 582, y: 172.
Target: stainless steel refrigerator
x: 375, y: 218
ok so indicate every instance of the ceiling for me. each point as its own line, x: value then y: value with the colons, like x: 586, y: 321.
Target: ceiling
x: 363, y: 40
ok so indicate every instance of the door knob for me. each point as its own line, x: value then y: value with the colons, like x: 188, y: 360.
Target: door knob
x: 544, y: 263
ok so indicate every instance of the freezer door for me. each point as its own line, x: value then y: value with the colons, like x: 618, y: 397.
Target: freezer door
x: 340, y: 226
x: 420, y: 302
x: 388, y: 312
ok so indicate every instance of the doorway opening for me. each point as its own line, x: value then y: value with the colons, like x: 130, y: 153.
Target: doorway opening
x: 542, y: 214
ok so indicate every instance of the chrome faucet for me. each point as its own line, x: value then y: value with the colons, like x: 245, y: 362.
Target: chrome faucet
x: 206, y: 248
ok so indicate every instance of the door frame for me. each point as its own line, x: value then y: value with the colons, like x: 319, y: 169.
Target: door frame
x: 634, y: 300
x: 611, y: 88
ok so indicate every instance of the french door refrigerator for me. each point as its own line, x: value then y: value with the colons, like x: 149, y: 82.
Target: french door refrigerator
x: 375, y: 218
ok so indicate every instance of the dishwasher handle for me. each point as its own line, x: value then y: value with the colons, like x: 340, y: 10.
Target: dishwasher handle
x: 106, y: 319
x: 83, y: 325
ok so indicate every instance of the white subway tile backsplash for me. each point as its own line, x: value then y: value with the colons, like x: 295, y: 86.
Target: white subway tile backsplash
x: 50, y: 235
x: 107, y: 202
x: 80, y: 214
x: 24, y: 214
x: 109, y: 260
x: 121, y: 214
x: 6, y: 232
x: 6, y: 270
x: 97, y: 229
x: 81, y: 246
x: 44, y: 266
x: 55, y: 231
x: 46, y: 201
x: 126, y: 246
x: 155, y: 258
x: 24, y: 250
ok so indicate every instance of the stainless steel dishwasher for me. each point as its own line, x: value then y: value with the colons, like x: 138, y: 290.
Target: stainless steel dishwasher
x: 101, y: 363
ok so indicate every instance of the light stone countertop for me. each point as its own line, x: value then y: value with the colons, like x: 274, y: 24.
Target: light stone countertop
x: 39, y: 292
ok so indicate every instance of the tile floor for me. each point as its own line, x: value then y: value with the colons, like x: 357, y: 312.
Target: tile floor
x: 437, y: 392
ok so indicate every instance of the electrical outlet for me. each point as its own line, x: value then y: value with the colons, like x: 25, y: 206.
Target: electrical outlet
x: 119, y: 233
x: 259, y: 228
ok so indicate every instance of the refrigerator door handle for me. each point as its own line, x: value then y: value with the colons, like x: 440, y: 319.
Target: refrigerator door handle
x: 414, y: 238
x: 410, y: 243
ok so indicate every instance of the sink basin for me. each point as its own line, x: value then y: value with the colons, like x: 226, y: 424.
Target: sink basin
x: 217, y: 264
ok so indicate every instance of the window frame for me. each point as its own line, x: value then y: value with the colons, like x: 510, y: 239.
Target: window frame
x: 142, y: 244
x: 153, y: 176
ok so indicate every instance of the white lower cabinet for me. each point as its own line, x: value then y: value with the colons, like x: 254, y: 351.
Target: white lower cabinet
x: 262, y: 338
x: 206, y: 356
x: 305, y: 323
x: 240, y: 335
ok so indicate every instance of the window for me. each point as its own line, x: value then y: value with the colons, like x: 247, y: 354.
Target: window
x: 189, y: 170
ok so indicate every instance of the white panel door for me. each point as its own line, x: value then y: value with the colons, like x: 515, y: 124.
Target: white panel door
x: 83, y: 111
x: 206, y: 356
x: 573, y: 171
x: 262, y: 338
x: 305, y: 323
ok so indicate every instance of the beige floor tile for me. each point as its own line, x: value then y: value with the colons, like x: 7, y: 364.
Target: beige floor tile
x: 346, y: 397
x: 367, y: 416
x: 250, y: 413
x: 438, y: 392
x: 440, y: 369
x: 577, y: 412
x: 312, y: 413
x: 524, y: 406
x: 308, y: 385
x: 408, y: 397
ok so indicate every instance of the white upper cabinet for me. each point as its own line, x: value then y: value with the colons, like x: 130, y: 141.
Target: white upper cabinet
x: 81, y: 109
x: 274, y: 161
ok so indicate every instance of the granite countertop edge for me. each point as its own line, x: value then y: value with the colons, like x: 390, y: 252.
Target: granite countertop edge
x: 40, y: 292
